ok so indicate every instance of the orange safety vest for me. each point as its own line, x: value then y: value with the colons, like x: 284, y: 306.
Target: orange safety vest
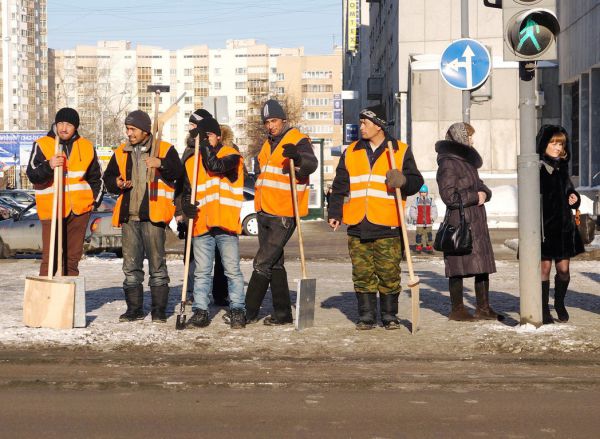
x: 369, y: 195
x: 160, y: 193
x: 78, y: 195
x: 219, y: 199
x: 273, y: 193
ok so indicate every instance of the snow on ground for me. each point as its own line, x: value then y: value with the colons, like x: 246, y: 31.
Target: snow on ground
x: 334, y: 334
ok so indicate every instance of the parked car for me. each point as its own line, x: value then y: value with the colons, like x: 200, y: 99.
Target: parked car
x: 23, y: 233
x: 248, y: 214
x: 22, y: 197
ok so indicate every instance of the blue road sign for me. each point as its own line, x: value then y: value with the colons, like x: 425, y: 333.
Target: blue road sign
x: 465, y: 64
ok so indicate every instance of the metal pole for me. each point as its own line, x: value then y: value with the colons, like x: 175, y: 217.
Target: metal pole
x: 464, y: 33
x: 528, y: 163
x: 102, y: 128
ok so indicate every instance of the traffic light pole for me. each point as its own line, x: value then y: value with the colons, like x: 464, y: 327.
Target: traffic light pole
x: 464, y: 33
x: 528, y: 163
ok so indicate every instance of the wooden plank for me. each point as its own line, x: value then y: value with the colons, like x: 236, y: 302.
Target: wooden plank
x: 48, y: 303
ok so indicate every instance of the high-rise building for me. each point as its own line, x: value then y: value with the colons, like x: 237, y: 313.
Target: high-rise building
x: 24, y: 65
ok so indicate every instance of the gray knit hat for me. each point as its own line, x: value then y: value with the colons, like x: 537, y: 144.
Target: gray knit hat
x: 139, y: 119
x: 459, y: 132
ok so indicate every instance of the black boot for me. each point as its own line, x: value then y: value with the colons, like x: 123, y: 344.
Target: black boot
x: 255, y: 294
x: 367, y: 310
x: 282, y: 305
x: 458, y: 313
x: 134, y: 297
x: 482, y: 296
x: 546, y: 316
x: 160, y: 297
x: 388, y: 307
x: 560, y: 291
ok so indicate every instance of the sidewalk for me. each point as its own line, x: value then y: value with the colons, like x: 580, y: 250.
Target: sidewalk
x: 334, y: 335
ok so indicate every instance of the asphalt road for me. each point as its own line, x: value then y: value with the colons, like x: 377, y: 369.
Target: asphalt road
x: 73, y: 394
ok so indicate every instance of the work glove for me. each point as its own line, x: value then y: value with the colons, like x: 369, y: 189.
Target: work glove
x: 395, y: 179
x: 189, y: 210
x: 195, y: 132
x: 290, y: 151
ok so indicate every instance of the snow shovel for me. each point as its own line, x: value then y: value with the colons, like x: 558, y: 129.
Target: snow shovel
x: 48, y: 302
x: 181, y: 317
x: 305, y: 297
x: 414, y: 281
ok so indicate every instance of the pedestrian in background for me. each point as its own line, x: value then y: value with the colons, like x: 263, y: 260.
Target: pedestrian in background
x: 83, y: 188
x: 560, y: 236
x: 363, y: 197
x: 275, y: 212
x: 423, y: 212
x: 143, y: 214
x: 457, y: 173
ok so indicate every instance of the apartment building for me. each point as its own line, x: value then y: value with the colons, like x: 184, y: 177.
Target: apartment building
x: 24, y: 65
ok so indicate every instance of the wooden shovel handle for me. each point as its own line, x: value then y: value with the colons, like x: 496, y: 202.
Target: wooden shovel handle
x: 54, y: 212
x: 297, y: 216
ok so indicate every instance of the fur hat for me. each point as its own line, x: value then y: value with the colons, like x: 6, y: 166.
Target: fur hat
x: 459, y: 132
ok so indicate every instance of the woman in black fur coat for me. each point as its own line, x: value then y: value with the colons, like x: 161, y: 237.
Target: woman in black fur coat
x: 560, y: 237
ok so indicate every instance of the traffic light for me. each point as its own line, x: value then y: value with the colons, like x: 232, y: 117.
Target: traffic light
x: 530, y: 30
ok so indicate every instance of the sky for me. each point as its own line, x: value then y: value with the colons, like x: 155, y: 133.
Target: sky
x: 174, y: 24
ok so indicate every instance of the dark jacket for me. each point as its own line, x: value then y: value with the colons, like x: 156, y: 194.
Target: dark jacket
x: 171, y: 170
x: 40, y: 172
x: 560, y: 237
x: 340, y: 189
x: 457, y: 173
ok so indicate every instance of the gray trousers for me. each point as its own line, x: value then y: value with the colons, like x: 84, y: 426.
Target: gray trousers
x: 142, y: 239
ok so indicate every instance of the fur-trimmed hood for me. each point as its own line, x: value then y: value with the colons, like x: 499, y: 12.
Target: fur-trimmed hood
x: 545, y: 134
x: 227, y: 136
x: 448, y: 148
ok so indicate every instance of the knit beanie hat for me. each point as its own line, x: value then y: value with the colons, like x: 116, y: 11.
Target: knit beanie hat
x: 198, y: 115
x: 459, y: 132
x: 209, y: 125
x: 424, y: 189
x: 272, y: 110
x: 375, y: 114
x: 139, y: 119
x: 69, y: 115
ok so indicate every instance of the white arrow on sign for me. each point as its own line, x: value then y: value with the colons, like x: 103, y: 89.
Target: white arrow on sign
x: 455, y: 64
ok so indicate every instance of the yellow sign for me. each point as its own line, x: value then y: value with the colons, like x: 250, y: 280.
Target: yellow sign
x: 353, y: 25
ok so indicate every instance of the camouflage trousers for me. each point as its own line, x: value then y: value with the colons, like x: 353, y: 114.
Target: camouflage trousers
x: 375, y: 265
x: 424, y: 236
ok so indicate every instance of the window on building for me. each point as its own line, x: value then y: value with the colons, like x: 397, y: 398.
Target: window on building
x: 281, y: 76
x: 240, y: 99
x: 187, y: 72
x: 240, y: 85
x: 157, y: 72
x: 217, y: 85
x: 240, y: 71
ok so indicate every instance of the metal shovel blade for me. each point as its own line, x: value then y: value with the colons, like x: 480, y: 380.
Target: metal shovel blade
x: 181, y: 317
x: 415, y: 303
x: 305, y: 303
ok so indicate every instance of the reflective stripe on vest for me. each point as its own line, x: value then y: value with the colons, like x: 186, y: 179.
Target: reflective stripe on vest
x: 160, y: 193
x: 273, y: 193
x: 219, y: 200
x: 78, y: 195
x: 369, y: 195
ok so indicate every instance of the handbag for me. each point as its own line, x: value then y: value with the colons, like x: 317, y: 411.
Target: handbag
x: 586, y: 226
x: 454, y: 240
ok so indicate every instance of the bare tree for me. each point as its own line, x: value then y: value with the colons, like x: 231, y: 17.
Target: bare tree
x: 255, y: 130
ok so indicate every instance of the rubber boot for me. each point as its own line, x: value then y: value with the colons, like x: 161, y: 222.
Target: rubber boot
x: 282, y: 305
x: 134, y: 297
x: 255, y: 294
x: 160, y: 298
x: 458, y: 313
x: 560, y: 291
x: 388, y: 308
x: 482, y: 296
x: 367, y: 310
x: 546, y: 316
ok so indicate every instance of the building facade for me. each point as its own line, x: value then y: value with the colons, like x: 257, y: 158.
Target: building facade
x: 24, y: 65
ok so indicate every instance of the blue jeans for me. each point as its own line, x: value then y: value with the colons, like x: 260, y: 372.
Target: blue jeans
x: 204, y: 256
x: 144, y: 239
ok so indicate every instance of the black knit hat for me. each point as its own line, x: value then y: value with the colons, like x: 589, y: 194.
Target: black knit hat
x: 198, y: 115
x: 272, y: 110
x: 69, y: 115
x: 139, y: 119
x: 375, y: 114
x: 209, y: 125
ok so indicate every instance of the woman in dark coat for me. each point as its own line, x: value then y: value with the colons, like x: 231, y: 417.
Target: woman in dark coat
x: 457, y: 173
x: 560, y: 237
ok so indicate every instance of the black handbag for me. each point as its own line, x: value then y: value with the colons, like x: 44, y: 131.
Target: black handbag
x: 454, y: 240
